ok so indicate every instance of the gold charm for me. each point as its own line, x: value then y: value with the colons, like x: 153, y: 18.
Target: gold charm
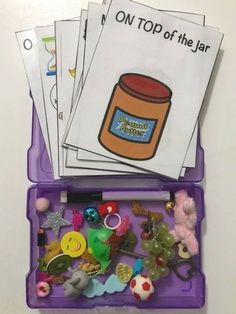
x: 89, y: 268
x: 52, y: 249
x: 139, y: 211
x: 124, y: 272
x: 169, y: 205
x: 59, y: 279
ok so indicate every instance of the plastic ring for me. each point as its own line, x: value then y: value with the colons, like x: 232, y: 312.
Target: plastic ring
x: 115, y: 227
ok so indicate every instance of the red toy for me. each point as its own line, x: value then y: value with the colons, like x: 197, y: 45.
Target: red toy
x: 107, y: 208
x: 142, y: 287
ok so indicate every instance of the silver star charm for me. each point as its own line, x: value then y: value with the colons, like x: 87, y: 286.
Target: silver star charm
x: 55, y: 221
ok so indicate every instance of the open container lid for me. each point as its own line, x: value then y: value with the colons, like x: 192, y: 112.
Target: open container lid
x: 39, y: 167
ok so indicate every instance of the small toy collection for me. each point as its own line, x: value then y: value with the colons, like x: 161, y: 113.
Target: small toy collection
x: 107, y: 247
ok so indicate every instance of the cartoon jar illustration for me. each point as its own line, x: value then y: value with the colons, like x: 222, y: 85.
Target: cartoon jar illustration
x: 135, y: 117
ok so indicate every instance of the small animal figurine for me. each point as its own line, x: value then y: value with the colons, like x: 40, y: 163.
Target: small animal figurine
x: 74, y: 286
x: 185, y: 220
x: 99, y: 245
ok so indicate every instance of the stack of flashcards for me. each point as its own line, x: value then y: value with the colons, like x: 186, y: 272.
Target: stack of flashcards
x: 118, y: 90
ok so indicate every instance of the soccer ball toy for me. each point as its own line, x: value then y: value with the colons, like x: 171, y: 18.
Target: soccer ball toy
x: 141, y: 287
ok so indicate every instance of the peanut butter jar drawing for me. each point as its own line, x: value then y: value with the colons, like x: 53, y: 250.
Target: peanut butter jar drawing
x: 135, y: 117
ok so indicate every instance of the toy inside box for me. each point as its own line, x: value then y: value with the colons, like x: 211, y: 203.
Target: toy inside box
x: 137, y: 242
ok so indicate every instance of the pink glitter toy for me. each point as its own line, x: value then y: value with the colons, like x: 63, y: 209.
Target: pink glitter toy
x: 77, y: 220
x: 123, y: 227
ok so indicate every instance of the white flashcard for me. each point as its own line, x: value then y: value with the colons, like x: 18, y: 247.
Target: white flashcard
x: 46, y: 35
x: 47, y: 61
x: 190, y: 158
x: 182, y: 173
x: 64, y: 41
x: 80, y: 57
x: 28, y: 47
x: 72, y: 171
x: 102, y: 165
x: 96, y: 19
x: 189, y: 161
x: 143, y: 111
x: 67, y: 34
x: 73, y: 164
x: 71, y: 161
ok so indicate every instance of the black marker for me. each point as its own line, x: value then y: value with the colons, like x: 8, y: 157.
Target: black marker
x: 73, y: 197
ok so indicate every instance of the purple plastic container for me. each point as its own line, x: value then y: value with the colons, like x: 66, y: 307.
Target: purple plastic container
x: 170, y: 292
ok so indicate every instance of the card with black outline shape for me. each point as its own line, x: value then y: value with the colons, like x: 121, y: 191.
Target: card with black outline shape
x: 142, y: 40
x: 96, y: 19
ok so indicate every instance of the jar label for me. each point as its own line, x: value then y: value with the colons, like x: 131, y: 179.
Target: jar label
x: 132, y: 128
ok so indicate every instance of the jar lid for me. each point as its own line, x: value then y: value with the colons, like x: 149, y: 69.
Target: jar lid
x: 145, y: 87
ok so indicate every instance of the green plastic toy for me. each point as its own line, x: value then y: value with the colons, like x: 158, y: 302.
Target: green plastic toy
x: 98, y: 247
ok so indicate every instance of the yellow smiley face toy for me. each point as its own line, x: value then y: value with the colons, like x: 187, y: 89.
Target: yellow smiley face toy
x: 73, y: 243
